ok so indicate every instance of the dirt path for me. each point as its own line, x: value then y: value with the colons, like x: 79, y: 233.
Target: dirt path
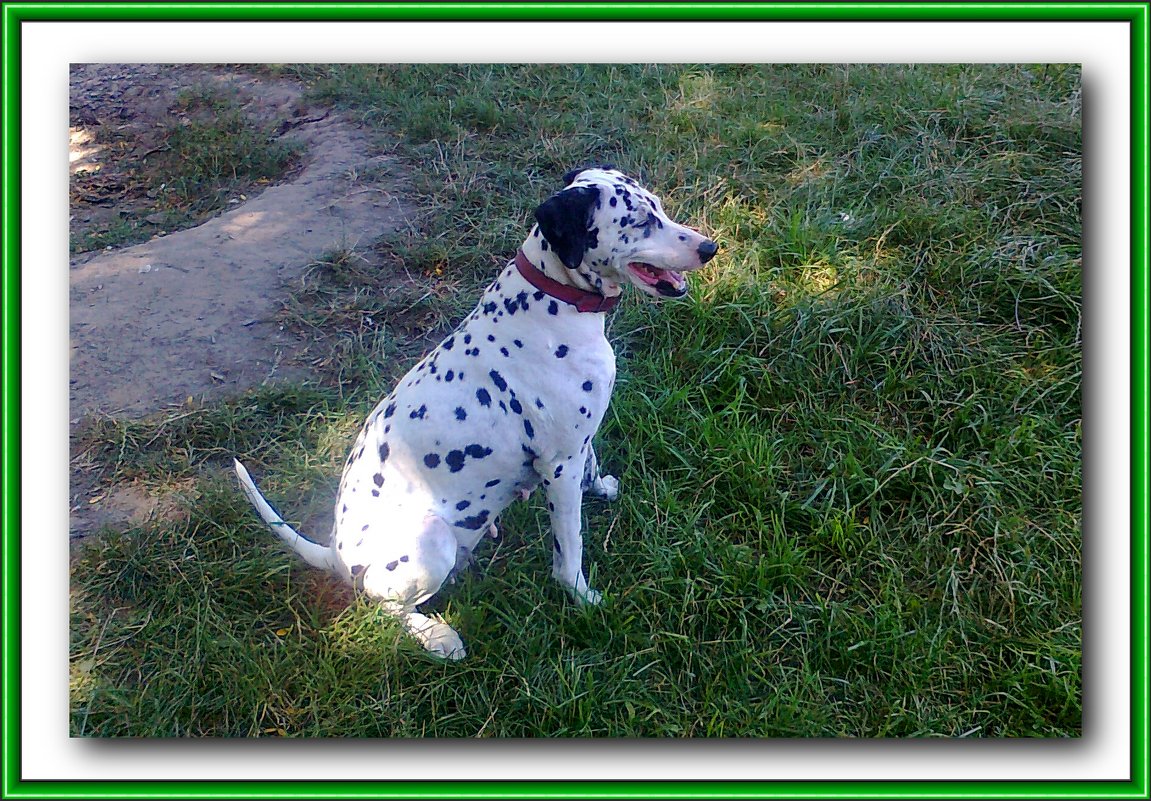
x: 193, y: 312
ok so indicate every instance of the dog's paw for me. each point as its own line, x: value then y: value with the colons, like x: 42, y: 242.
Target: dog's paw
x: 588, y: 597
x: 446, y: 645
x: 438, y: 638
x: 608, y: 487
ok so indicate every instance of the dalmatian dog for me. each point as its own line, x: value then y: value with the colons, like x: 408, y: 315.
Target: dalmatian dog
x: 509, y: 401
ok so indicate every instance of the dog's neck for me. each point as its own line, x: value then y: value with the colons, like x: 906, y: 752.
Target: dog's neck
x: 548, y: 263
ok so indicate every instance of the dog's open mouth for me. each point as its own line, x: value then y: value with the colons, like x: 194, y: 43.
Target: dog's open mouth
x: 668, y: 283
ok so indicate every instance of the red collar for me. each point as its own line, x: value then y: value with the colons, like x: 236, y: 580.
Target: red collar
x: 583, y: 301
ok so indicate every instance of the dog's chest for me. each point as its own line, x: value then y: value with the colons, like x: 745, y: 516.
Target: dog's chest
x: 513, y: 395
x: 521, y: 353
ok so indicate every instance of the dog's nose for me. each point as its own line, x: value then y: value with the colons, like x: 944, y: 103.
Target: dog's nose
x: 706, y: 250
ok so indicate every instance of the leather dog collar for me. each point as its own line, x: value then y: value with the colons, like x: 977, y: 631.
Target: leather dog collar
x: 583, y: 300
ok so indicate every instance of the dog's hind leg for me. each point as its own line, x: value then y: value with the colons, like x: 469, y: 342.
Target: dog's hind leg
x: 408, y: 579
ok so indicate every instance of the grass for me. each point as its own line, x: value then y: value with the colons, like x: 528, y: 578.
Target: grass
x: 850, y: 461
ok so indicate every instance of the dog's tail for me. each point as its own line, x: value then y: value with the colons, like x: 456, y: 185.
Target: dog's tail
x: 314, y: 554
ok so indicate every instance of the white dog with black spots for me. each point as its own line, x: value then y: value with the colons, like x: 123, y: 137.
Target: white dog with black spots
x: 509, y: 400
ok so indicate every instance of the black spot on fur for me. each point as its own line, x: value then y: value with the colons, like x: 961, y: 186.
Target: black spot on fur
x: 448, y: 343
x: 463, y: 505
x: 553, y: 308
x: 477, y: 451
x: 492, y: 483
x: 475, y: 522
x: 419, y: 413
x: 587, y: 385
x: 385, y: 451
x: 388, y: 412
x: 498, y: 380
x: 432, y: 460
x: 455, y: 460
x: 378, y: 480
x: 561, y: 351
x: 461, y: 414
x: 375, y: 493
x: 483, y: 397
x: 392, y: 565
x: 528, y: 429
x: 516, y: 407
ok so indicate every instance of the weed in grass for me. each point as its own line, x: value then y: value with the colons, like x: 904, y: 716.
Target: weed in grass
x: 215, y: 150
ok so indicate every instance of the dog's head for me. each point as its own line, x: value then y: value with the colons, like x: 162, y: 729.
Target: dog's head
x: 603, y: 225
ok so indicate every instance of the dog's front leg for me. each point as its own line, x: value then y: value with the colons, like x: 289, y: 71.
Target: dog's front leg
x: 564, y: 502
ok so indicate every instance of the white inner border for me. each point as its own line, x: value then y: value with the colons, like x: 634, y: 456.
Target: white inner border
x: 48, y: 48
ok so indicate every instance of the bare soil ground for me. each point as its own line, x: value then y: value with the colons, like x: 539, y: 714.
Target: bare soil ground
x: 193, y: 313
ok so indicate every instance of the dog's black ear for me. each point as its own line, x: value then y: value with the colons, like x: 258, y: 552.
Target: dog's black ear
x: 564, y: 219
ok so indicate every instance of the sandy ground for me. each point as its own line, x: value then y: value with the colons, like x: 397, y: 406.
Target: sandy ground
x: 193, y: 313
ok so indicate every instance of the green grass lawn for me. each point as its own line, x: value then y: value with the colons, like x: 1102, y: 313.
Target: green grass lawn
x: 850, y: 461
